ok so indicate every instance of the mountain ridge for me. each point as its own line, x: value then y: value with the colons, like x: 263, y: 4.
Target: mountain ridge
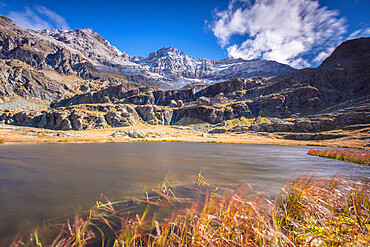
x: 87, y: 54
x: 300, y: 104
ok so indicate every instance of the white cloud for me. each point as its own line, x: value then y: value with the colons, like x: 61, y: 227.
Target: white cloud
x: 364, y: 32
x: 38, y: 18
x: 58, y: 21
x: 296, y: 32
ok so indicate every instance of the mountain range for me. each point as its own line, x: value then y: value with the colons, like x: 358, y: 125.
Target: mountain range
x: 80, y: 81
x: 85, y: 53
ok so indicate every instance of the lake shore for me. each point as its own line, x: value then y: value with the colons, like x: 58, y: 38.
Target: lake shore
x: 10, y: 134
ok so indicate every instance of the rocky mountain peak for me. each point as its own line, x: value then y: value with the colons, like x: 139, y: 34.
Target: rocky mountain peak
x: 87, y: 54
x: 165, y: 52
x: 89, y: 43
x: 6, y: 20
x: 348, y: 52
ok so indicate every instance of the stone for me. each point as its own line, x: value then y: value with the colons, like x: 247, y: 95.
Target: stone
x: 179, y: 103
x: 217, y: 131
x: 147, y: 114
x: 304, y: 125
x: 119, y: 119
x: 97, y: 121
x: 203, y: 101
x: 224, y: 123
x: 135, y: 134
x: 120, y: 134
x: 61, y: 120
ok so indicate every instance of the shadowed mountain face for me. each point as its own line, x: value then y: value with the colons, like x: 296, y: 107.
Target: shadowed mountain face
x: 86, y: 54
x: 344, y: 75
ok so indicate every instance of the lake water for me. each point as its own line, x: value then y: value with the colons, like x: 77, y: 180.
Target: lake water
x: 41, y: 182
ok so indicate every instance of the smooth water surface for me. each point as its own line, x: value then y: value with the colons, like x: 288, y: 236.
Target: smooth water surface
x: 50, y: 182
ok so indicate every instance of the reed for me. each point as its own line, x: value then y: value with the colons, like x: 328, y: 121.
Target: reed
x: 309, y: 212
x: 360, y: 157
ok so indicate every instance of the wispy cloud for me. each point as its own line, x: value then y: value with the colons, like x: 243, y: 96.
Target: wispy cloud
x: 363, y: 32
x: 58, y: 20
x: 38, y: 18
x: 296, y: 32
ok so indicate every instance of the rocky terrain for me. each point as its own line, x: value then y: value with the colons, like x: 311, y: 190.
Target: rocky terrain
x: 334, y: 94
x: 298, y: 104
x: 85, y: 53
x: 20, y: 79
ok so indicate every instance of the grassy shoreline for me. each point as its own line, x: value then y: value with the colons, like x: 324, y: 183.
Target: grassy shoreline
x: 360, y: 157
x: 310, y: 212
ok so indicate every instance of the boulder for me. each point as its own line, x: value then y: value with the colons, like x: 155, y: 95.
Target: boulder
x: 77, y: 120
x: 304, y: 125
x: 217, y: 131
x: 147, y: 113
x: 61, y: 121
x: 135, y: 134
x: 120, y: 134
x: 119, y: 119
x: 95, y: 121
x: 179, y: 103
x: 155, y: 114
x: 203, y: 101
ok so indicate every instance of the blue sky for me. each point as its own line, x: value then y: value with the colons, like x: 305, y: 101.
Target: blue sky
x: 297, y: 32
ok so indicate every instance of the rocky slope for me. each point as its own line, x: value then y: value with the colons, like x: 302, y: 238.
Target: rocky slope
x: 86, y: 54
x: 334, y: 95
x: 343, y: 76
x: 20, y: 79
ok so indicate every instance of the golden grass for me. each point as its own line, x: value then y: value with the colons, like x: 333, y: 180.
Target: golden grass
x: 360, y: 157
x: 338, y: 146
x: 309, y: 212
x: 19, y: 134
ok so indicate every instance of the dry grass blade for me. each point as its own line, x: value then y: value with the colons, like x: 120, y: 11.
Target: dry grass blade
x: 310, y: 212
